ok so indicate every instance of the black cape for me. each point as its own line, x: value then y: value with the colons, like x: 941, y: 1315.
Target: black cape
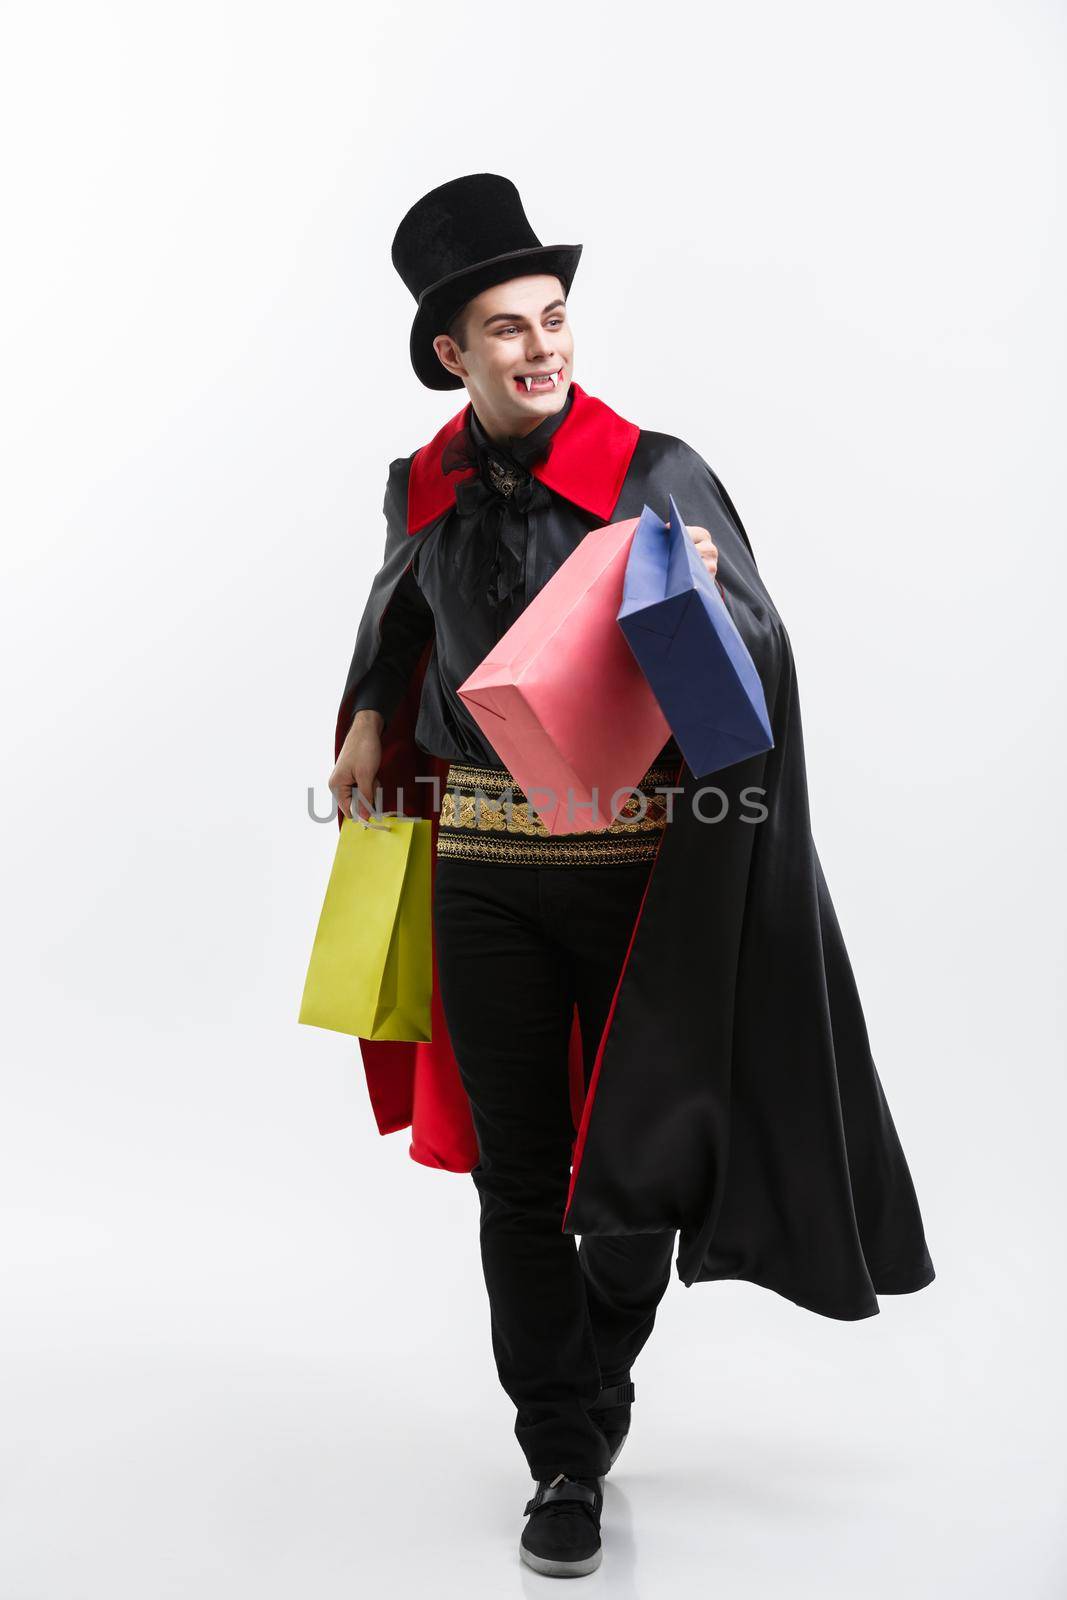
x: 735, y: 1097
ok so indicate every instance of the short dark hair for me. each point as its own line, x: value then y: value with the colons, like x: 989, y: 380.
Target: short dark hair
x: 457, y: 326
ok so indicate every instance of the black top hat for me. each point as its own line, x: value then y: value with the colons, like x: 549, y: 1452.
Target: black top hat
x: 457, y: 240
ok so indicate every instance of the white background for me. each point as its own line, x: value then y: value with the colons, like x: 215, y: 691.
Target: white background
x: 245, y: 1340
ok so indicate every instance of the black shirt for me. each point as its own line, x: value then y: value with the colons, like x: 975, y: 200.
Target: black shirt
x: 469, y: 581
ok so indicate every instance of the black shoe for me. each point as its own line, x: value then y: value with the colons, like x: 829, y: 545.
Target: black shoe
x: 611, y: 1413
x: 562, y: 1537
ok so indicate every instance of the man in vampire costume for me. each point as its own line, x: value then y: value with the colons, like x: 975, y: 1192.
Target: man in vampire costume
x: 647, y: 1035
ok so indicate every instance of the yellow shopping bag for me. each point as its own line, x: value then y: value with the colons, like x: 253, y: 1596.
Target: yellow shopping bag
x: 371, y: 967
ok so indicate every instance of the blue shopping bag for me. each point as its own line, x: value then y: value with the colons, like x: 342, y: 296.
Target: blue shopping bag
x: 688, y: 647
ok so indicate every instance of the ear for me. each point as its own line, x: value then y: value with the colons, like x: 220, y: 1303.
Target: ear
x: 448, y: 354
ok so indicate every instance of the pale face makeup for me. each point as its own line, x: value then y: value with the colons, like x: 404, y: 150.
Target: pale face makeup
x: 519, y: 359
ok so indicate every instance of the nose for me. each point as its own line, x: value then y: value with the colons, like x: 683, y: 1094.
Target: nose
x: 538, y: 345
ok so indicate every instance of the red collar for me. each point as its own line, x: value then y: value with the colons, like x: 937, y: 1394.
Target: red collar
x: 589, y: 459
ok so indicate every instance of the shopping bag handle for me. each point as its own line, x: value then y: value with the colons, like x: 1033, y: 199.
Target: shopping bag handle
x: 383, y: 827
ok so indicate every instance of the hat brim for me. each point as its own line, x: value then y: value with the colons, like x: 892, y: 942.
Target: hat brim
x: 439, y: 302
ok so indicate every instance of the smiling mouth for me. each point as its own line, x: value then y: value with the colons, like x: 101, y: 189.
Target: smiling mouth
x: 536, y: 382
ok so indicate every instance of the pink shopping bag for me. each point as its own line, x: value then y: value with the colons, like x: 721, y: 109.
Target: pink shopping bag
x: 561, y: 697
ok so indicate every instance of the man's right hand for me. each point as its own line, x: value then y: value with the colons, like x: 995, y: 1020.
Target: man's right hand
x: 357, y: 766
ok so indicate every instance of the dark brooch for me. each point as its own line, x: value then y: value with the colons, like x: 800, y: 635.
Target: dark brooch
x: 505, y: 479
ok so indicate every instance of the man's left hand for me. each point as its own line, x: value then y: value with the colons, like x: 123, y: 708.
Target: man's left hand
x: 707, y: 552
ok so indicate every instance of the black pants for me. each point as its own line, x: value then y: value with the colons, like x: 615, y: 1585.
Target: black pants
x: 516, y: 947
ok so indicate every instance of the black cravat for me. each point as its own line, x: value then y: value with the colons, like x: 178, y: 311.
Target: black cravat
x: 490, y: 557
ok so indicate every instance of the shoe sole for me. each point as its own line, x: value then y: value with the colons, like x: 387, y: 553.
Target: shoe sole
x: 561, y: 1569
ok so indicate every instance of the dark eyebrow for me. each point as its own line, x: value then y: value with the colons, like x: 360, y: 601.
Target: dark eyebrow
x: 510, y: 316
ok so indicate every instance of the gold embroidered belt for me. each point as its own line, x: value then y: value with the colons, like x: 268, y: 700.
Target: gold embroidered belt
x: 485, y: 816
